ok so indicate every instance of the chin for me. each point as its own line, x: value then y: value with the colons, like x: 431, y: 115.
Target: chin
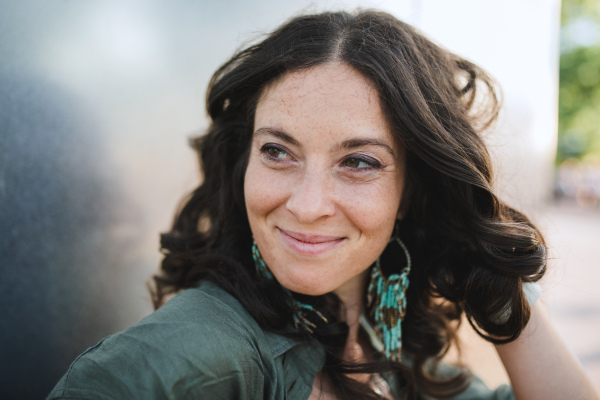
x: 309, y: 290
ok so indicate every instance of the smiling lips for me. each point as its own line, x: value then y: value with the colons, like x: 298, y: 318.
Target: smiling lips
x: 309, y: 244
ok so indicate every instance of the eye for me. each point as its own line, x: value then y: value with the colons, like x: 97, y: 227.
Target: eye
x: 361, y: 163
x: 274, y: 152
x: 356, y: 163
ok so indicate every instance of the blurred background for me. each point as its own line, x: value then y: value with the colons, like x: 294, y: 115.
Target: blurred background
x: 99, y: 98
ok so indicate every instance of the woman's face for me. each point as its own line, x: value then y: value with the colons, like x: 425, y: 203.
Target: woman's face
x: 324, y: 179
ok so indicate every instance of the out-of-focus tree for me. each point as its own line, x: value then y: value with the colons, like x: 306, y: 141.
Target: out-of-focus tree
x: 579, y: 87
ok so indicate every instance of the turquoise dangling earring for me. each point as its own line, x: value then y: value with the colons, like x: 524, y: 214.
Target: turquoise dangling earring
x: 301, y: 310
x: 386, y: 299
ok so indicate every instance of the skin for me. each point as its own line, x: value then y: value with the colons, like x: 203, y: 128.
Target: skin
x: 323, y: 188
x: 324, y: 180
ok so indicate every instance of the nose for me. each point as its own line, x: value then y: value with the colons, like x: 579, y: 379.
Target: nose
x: 312, y: 197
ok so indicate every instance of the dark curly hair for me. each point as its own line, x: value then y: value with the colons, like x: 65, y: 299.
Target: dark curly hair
x: 471, y: 252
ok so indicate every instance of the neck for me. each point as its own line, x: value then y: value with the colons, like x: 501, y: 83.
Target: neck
x: 352, y: 295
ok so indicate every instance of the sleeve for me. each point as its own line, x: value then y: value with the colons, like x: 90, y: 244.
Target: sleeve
x: 478, y: 390
x: 166, y: 359
x: 221, y: 376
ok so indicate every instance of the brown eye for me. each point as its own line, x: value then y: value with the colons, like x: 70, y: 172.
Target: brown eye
x: 352, y: 162
x: 357, y: 163
x: 273, y: 152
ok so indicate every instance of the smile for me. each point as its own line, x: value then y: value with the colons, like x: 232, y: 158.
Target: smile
x: 309, y: 244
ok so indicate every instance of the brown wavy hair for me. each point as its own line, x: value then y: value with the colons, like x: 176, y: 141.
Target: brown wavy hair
x: 471, y: 252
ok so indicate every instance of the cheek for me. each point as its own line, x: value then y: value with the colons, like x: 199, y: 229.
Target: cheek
x: 374, y: 209
x: 252, y: 192
x: 262, y: 192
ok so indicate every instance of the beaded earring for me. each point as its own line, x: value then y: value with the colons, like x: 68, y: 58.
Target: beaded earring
x: 302, y: 311
x: 386, y: 299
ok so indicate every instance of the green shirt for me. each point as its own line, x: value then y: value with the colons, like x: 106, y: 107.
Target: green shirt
x: 203, y: 344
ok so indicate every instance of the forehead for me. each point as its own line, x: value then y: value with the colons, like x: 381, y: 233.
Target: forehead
x: 332, y: 98
x: 322, y: 79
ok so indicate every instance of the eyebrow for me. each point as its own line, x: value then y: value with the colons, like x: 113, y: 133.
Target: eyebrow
x: 359, y: 142
x: 275, y: 132
x: 346, y: 144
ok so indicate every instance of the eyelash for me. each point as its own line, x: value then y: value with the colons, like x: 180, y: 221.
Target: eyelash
x: 372, y: 163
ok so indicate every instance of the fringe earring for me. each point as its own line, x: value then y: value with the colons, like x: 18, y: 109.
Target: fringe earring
x: 386, y: 299
x: 302, y: 311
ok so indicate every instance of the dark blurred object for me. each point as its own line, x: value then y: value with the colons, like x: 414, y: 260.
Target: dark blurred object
x: 55, y: 247
x: 579, y: 95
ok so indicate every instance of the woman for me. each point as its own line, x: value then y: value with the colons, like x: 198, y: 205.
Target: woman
x: 345, y: 222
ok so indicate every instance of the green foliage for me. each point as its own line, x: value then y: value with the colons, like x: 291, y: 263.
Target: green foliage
x: 573, y: 9
x: 579, y: 84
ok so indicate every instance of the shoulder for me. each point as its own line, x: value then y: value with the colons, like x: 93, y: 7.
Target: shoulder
x: 201, y: 340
